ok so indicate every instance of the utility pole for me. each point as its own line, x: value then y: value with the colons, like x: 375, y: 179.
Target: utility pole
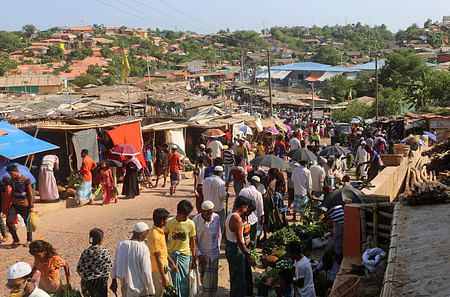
x: 148, y: 73
x: 270, y: 82
x: 242, y: 65
x: 376, y: 83
x: 313, y: 103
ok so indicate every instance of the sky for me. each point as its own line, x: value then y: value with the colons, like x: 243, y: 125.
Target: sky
x: 209, y: 16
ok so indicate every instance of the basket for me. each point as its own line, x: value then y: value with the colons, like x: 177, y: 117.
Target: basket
x: 392, y: 159
x: 401, y: 149
x: 351, y: 287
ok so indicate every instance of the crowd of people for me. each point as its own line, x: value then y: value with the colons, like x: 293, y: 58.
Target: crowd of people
x: 167, y: 253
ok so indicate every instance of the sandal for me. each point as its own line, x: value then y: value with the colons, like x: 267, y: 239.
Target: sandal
x: 14, y: 245
x: 27, y: 244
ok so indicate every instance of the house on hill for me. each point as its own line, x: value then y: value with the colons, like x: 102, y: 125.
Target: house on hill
x: 30, y: 83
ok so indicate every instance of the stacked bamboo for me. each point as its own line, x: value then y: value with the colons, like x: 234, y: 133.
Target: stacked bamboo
x: 422, y: 187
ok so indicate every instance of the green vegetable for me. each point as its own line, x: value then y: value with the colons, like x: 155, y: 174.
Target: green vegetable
x: 279, y: 239
x: 74, y: 180
x: 283, y: 264
x: 256, y: 256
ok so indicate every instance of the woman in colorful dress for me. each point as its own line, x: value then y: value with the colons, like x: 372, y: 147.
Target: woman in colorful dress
x: 94, y: 266
x: 105, y: 179
x: 47, y: 261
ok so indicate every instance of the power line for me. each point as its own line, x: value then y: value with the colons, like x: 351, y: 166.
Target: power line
x: 134, y: 9
x: 167, y: 15
x: 130, y: 13
x: 183, y: 13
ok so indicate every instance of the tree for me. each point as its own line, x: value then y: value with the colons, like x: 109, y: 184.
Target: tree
x: 28, y: 29
x: 84, y: 80
x: 9, y: 42
x: 109, y: 80
x: 95, y: 70
x: 389, y: 102
x: 353, y: 110
x: 327, y: 55
x: 6, y: 64
x: 55, y: 52
x: 106, y: 52
x: 427, y: 23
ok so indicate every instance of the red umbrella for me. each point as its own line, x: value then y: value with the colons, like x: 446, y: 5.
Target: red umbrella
x: 125, y: 149
x: 213, y: 133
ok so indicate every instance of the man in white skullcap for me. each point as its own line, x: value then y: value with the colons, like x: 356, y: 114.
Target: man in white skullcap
x: 132, y: 265
x: 207, y: 224
x: 362, y: 156
x: 318, y: 177
x: 214, y: 190
x: 256, y: 217
x: 21, y: 282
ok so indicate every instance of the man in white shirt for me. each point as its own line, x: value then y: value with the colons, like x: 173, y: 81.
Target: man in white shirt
x: 294, y: 143
x: 207, y: 225
x: 216, y: 147
x: 362, y: 156
x: 214, y: 190
x: 256, y: 218
x: 301, y: 177
x: 21, y: 281
x: 132, y: 265
x: 318, y: 177
x: 303, y: 280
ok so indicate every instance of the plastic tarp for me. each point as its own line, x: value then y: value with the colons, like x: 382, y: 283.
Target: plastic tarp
x: 86, y: 139
x: 176, y: 136
x: 236, y: 129
x: 274, y: 74
x: 15, y: 143
x: 131, y: 134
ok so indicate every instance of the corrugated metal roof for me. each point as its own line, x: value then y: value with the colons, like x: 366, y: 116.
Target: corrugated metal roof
x: 275, y: 74
x: 310, y: 66
x: 28, y: 80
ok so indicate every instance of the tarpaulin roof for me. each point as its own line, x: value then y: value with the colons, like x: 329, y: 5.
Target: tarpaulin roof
x: 322, y: 77
x: 16, y: 143
x: 274, y: 74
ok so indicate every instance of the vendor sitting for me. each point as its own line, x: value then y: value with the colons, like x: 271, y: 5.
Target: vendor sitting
x: 284, y: 286
x: 325, y: 273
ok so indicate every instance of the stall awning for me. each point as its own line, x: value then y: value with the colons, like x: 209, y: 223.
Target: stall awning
x: 15, y: 143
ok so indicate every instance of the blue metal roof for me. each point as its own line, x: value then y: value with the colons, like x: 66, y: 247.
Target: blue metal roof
x: 368, y: 66
x: 310, y: 66
x: 16, y: 143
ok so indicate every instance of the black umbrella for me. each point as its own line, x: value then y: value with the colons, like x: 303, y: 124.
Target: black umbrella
x: 302, y: 154
x: 179, y: 149
x: 112, y: 163
x: 334, y: 150
x: 270, y: 161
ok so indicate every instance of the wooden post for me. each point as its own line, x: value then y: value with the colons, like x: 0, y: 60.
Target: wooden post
x: 362, y: 213
x: 375, y: 225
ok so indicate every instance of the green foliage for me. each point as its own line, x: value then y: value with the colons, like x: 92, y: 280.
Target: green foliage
x: 28, y: 29
x: 354, y: 109
x: 106, y: 52
x: 9, y: 42
x: 7, y: 64
x: 401, y: 69
x: 389, y: 102
x: 95, y: 70
x: 55, y: 52
x: 278, y: 239
x: 74, y: 180
x: 327, y: 55
x: 85, y: 79
x: 109, y: 80
x: 337, y: 87
x: 80, y: 53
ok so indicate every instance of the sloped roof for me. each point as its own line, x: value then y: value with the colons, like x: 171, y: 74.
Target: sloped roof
x: 28, y: 80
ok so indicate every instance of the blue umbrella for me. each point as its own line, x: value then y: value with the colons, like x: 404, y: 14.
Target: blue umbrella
x: 22, y: 170
x: 431, y: 135
x: 246, y: 129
